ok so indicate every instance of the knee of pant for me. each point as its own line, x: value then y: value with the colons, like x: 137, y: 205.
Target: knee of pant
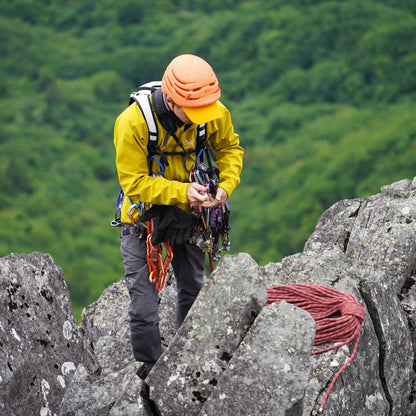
x: 143, y: 313
x: 186, y: 297
x: 190, y: 289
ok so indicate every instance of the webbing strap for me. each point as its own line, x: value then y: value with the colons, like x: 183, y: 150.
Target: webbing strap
x: 143, y: 102
x: 157, y: 265
x: 201, y: 131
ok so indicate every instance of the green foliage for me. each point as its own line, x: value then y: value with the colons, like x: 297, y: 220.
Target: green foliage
x: 322, y: 93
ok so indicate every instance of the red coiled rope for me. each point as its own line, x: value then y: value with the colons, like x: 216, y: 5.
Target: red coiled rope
x: 323, y: 303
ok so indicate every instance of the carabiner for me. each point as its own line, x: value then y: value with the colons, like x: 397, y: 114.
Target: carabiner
x: 132, y: 206
x: 164, y: 267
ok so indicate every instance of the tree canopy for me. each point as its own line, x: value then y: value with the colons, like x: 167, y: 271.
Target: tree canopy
x: 321, y: 92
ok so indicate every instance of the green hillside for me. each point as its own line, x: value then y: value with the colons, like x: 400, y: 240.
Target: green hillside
x: 323, y: 94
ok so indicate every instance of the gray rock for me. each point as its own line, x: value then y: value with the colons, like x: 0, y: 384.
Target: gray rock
x: 105, y: 324
x: 380, y: 245
x: 384, y: 239
x: 334, y: 226
x: 408, y: 302
x: 188, y: 371
x: 275, y: 359
x: 359, y: 390
x: 321, y: 267
x: 395, y: 342
x: 114, y: 394
x: 41, y: 346
x: 221, y: 359
x: 332, y: 268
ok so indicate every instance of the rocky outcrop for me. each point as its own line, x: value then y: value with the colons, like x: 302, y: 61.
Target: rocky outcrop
x: 233, y: 355
x: 270, y: 370
x: 40, y: 343
x: 199, y: 353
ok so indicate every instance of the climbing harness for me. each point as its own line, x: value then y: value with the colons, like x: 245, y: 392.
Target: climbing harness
x: 209, y: 224
x: 170, y: 122
x: 338, y: 316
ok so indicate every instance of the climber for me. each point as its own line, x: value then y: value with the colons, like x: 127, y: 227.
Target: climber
x: 188, y: 97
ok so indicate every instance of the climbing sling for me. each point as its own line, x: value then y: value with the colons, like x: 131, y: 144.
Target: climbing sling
x: 158, y: 266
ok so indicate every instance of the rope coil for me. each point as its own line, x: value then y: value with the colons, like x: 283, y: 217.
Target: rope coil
x: 338, y: 316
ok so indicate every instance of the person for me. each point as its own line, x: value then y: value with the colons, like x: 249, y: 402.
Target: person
x: 188, y: 97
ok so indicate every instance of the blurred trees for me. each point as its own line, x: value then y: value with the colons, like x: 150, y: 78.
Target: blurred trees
x: 322, y: 93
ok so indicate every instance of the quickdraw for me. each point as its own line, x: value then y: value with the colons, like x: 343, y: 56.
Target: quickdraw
x: 158, y: 266
x: 212, y: 223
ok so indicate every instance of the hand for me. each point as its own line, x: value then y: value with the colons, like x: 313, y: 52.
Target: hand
x: 220, y: 199
x: 196, y: 194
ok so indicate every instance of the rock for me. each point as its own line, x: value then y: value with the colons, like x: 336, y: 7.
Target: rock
x: 384, y: 239
x: 331, y: 268
x: 188, y: 371
x: 105, y: 324
x: 41, y: 346
x: 275, y: 360
x: 376, y: 233
x: 395, y: 342
x: 231, y: 354
x: 380, y: 245
x: 114, y: 394
x: 334, y: 227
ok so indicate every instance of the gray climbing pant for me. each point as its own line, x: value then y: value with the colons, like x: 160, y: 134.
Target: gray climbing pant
x: 188, y: 267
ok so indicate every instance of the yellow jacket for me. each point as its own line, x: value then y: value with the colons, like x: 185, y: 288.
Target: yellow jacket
x: 130, y: 140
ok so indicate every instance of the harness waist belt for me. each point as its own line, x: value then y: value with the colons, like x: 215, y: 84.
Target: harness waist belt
x: 127, y: 229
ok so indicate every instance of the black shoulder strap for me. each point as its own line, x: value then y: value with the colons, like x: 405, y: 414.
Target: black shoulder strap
x: 203, y: 147
x: 201, y: 139
x: 167, y: 118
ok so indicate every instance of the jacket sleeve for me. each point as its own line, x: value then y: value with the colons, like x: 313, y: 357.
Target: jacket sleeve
x: 228, y: 151
x: 130, y: 141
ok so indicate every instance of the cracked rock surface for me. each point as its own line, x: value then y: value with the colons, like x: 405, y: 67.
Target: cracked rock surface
x: 40, y: 344
x: 233, y: 355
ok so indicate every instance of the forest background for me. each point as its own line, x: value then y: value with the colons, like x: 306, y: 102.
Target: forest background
x: 322, y: 94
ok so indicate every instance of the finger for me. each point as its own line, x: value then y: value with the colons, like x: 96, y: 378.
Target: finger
x: 198, y: 188
x: 194, y: 196
x: 221, y: 195
x: 198, y: 198
x: 211, y: 204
